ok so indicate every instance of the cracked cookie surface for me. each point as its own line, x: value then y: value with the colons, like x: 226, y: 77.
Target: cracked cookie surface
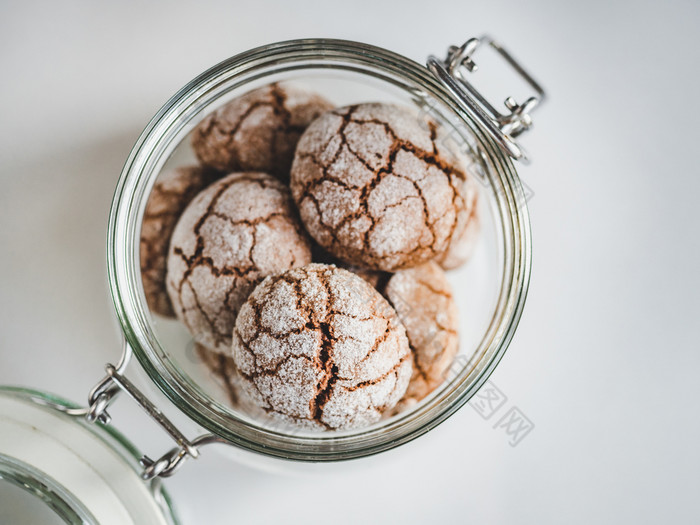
x: 233, y: 234
x: 171, y: 193
x: 467, y: 231
x: 423, y: 300
x: 318, y: 348
x: 257, y: 131
x: 375, y: 188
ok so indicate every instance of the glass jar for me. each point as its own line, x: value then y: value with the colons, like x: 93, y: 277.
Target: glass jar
x: 491, y: 291
x: 56, y: 468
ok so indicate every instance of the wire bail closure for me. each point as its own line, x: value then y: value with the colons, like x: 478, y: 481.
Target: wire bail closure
x: 453, y: 73
x: 104, y: 393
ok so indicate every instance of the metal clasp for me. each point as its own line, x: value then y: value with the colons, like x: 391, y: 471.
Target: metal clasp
x: 453, y: 72
x: 107, y: 389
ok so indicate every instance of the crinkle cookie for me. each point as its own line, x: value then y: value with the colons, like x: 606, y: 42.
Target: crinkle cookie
x: 375, y: 188
x: 171, y: 193
x: 466, y: 234
x: 237, y: 231
x: 318, y: 348
x: 257, y: 131
x: 423, y: 300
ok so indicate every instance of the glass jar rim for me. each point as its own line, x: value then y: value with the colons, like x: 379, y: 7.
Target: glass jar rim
x: 141, y: 169
x: 30, y: 472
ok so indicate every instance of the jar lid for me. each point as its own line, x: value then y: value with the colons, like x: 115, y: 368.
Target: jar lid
x: 57, y: 468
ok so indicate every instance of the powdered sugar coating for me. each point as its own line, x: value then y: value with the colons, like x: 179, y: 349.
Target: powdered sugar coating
x: 318, y: 348
x: 232, y: 235
x: 257, y: 131
x: 374, y: 187
x: 171, y: 193
x: 423, y: 300
x: 466, y: 234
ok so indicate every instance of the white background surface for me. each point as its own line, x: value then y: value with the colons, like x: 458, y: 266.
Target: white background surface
x: 605, y: 362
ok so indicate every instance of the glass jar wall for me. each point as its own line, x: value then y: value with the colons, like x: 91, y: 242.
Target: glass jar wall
x: 490, y: 290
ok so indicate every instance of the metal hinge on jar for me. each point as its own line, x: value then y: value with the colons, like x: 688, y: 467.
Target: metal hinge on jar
x: 104, y: 393
x: 453, y: 73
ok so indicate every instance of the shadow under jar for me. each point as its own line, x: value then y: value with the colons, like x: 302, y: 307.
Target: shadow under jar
x: 490, y: 290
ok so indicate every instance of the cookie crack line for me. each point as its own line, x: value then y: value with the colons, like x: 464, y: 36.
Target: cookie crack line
x: 274, y: 98
x: 418, y: 366
x: 197, y: 259
x: 273, y: 370
x: 322, y: 362
x: 169, y: 197
x: 251, y: 379
x: 325, y: 360
x: 379, y: 340
x: 230, y: 133
x: 319, y: 381
x: 433, y: 289
x: 219, y: 337
x: 280, y: 108
x: 376, y: 380
x: 329, y: 371
x: 247, y: 222
x: 431, y: 158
